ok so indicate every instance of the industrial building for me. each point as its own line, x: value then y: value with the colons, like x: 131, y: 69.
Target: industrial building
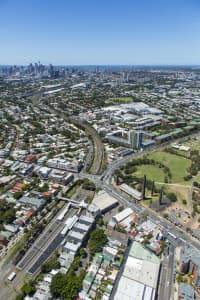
x: 131, y: 191
x: 140, y: 275
x: 104, y: 201
x: 122, y: 215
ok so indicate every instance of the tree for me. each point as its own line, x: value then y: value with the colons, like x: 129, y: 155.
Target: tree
x: 7, y: 212
x: 20, y: 297
x: 71, y: 288
x: 166, y: 179
x: 82, y: 252
x: 50, y: 265
x: 172, y: 197
x: 100, y: 221
x: 67, y: 285
x: 120, y: 208
x: 17, y: 195
x: 9, y: 215
x: 57, y: 284
x: 97, y: 240
x: 29, y: 288
x: 43, y: 188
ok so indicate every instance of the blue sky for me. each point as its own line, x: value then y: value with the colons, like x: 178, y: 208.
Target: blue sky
x: 100, y: 31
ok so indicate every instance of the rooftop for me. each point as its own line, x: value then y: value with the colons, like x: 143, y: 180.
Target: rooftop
x: 138, y: 251
x: 103, y: 200
x: 145, y: 272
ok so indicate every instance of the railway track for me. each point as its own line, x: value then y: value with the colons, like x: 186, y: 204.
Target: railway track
x: 98, y: 147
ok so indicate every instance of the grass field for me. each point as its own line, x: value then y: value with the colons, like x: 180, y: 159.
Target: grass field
x: 193, y: 144
x: 73, y: 190
x: 152, y: 172
x: 177, y: 165
x: 123, y: 99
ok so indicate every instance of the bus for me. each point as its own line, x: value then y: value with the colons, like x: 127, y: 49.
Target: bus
x: 11, y: 276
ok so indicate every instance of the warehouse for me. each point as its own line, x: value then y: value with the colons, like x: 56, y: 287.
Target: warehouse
x: 127, y: 287
x: 123, y: 215
x: 104, y: 201
x: 130, y: 191
x: 140, y: 275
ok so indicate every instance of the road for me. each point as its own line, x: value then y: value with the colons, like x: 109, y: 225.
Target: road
x: 167, y: 274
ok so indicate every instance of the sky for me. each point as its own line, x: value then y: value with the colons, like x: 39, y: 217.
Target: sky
x: 100, y: 32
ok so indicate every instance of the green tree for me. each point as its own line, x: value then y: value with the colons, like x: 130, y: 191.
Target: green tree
x: 120, y: 208
x: 82, y: 252
x: 97, y: 240
x: 50, y: 265
x: 20, y: 297
x: 29, y: 288
x: 57, y: 284
x: 172, y: 197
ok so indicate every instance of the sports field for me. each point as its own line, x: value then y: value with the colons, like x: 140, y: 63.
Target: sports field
x: 122, y: 99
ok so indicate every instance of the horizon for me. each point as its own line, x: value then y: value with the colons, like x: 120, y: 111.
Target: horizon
x: 104, y: 65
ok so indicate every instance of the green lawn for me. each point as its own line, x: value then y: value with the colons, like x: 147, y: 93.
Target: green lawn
x: 73, y: 190
x: 177, y: 165
x: 122, y: 99
x: 152, y: 172
x: 193, y: 144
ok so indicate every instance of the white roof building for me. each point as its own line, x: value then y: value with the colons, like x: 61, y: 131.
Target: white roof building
x: 130, y: 191
x: 104, y: 201
x: 140, y: 275
x: 123, y: 215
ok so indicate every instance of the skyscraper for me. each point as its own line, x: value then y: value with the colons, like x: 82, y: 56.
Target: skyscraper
x: 138, y: 139
x: 135, y: 139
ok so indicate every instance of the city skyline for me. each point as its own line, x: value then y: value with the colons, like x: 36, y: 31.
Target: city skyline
x: 114, y: 33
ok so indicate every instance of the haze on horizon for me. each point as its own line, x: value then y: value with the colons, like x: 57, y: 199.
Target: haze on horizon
x: 76, y: 32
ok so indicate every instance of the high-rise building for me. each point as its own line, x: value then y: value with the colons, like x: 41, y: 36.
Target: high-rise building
x: 135, y: 139
x: 132, y: 138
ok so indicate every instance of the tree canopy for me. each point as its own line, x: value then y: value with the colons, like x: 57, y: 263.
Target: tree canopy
x: 97, y: 240
x: 7, y: 212
x: 67, y: 285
